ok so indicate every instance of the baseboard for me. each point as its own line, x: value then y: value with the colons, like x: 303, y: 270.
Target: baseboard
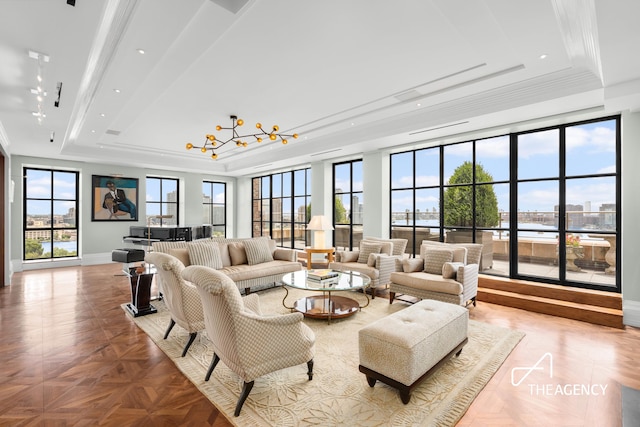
x: 631, y: 313
x: 18, y: 265
x: 95, y: 259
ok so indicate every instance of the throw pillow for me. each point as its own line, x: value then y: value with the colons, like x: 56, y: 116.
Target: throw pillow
x: 412, y: 265
x: 206, y: 254
x: 347, y: 256
x: 386, y: 247
x: 182, y: 254
x: 224, y: 254
x: 434, y: 259
x: 258, y: 251
x: 371, y: 261
x: 366, y: 249
x: 237, y: 253
x: 450, y: 270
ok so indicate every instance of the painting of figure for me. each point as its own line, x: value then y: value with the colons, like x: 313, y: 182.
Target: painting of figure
x: 114, y: 199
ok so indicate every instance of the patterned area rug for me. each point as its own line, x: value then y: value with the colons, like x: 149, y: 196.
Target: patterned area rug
x: 339, y: 393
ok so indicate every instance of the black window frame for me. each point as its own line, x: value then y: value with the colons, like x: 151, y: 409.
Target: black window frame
x: 51, y: 228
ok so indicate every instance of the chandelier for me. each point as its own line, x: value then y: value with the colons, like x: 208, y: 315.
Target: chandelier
x: 212, y: 143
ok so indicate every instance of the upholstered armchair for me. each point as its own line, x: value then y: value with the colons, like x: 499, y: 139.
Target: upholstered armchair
x: 376, y: 257
x: 444, y: 271
x: 181, y: 297
x: 249, y: 343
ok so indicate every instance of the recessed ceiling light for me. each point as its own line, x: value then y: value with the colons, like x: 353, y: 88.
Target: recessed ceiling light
x: 116, y: 90
x: 101, y: 114
x: 93, y: 131
x: 543, y: 56
x: 352, y: 124
x: 418, y: 104
x: 140, y: 51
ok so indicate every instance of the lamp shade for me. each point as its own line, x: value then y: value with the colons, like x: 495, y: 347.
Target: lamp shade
x: 319, y: 223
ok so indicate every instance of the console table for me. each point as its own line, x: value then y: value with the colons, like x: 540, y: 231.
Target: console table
x: 140, y: 279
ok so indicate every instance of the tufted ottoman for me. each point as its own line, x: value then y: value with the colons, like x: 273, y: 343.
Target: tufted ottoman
x: 406, y: 347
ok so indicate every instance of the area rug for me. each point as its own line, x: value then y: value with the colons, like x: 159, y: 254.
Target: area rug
x: 338, y: 394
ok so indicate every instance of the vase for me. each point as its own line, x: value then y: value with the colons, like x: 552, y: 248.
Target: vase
x: 572, y: 254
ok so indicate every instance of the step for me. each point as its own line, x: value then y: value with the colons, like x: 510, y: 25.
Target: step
x: 571, y: 310
x: 563, y: 293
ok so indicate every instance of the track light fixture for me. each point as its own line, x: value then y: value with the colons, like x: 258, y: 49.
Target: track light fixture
x: 212, y: 143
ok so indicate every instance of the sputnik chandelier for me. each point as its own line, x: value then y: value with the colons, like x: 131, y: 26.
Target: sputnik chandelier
x: 212, y: 143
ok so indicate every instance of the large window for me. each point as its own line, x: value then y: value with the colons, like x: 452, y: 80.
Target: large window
x: 214, y: 202
x: 50, y: 214
x: 544, y: 203
x: 162, y: 201
x: 281, y: 207
x: 348, y: 204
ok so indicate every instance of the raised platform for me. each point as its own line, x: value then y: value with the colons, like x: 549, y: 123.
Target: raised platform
x: 597, y: 307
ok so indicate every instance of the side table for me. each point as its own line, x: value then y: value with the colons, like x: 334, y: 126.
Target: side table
x: 140, y: 279
x: 310, y: 251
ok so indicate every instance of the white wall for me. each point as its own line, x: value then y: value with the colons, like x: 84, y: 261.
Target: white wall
x: 8, y: 234
x: 630, y: 246
x: 98, y: 239
x: 376, y: 190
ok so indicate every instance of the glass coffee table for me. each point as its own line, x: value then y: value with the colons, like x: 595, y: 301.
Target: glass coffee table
x: 325, y: 305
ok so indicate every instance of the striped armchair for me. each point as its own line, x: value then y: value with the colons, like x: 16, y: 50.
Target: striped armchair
x: 181, y: 297
x: 250, y: 344
x: 376, y: 257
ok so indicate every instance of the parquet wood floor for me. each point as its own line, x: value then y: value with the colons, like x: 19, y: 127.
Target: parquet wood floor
x: 70, y: 356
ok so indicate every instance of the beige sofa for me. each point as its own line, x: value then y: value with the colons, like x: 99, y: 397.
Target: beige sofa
x: 443, y: 271
x: 376, y: 257
x: 252, y: 263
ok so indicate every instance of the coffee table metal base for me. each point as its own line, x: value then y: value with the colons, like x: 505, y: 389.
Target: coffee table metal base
x: 326, y: 306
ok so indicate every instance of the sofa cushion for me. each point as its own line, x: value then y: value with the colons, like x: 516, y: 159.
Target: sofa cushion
x: 356, y: 266
x: 411, y: 265
x: 247, y: 272
x: 258, y: 251
x: 182, y: 254
x: 434, y: 259
x: 450, y: 269
x: 427, y: 282
x: 204, y: 253
x: 237, y: 253
x: 367, y: 248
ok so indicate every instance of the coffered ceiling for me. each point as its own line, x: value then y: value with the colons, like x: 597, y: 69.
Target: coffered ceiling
x: 349, y: 76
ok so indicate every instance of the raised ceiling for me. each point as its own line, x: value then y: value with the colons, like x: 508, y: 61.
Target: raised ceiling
x: 348, y: 76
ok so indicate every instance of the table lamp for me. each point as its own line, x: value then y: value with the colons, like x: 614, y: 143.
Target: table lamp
x: 319, y: 224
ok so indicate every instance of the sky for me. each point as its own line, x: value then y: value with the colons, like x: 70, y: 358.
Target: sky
x: 590, y: 150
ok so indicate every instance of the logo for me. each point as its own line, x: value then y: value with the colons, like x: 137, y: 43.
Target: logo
x: 529, y: 370
x: 543, y: 366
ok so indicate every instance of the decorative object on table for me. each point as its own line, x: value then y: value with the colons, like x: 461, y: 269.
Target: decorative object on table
x: 323, y: 274
x: 114, y: 198
x: 319, y: 224
x: 211, y: 143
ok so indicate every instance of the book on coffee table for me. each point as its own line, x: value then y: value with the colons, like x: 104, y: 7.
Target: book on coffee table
x: 323, y: 274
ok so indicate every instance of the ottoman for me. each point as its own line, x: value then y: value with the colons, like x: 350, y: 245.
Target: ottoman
x: 404, y: 348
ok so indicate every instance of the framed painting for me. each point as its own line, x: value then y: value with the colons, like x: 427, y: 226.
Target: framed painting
x: 114, y: 198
